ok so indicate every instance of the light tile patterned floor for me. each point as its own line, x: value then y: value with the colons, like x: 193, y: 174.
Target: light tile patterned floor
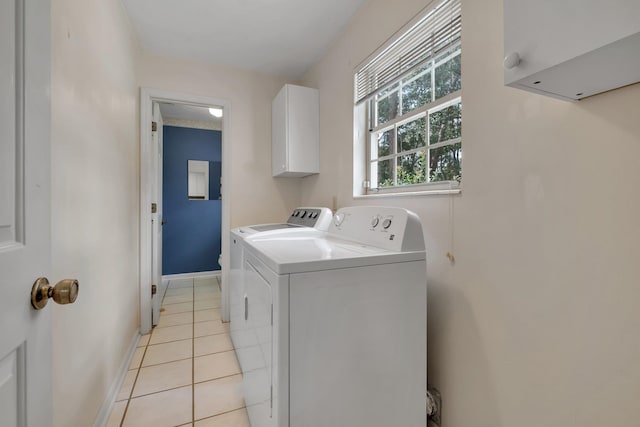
x: 185, y: 373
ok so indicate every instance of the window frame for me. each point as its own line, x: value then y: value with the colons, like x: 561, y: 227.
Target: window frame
x: 424, y: 111
x: 372, y: 130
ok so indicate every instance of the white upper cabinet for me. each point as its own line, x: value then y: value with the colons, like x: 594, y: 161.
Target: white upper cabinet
x: 295, y: 132
x: 571, y: 49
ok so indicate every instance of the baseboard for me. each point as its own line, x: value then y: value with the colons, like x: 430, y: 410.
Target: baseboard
x: 198, y: 275
x: 107, y: 404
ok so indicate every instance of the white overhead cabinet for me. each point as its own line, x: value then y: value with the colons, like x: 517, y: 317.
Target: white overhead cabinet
x: 295, y: 132
x: 571, y: 49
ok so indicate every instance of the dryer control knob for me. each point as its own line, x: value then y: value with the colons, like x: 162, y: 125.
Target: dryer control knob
x: 338, y: 219
x: 386, y: 223
x: 375, y: 221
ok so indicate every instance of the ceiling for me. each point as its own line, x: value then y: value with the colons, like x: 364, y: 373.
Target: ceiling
x: 282, y: 37
x: 188, y: 112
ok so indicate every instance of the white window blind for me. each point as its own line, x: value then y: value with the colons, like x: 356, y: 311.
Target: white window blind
x: 437, y: 32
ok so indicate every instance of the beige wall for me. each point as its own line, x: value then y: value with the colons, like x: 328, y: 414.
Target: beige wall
x: 254, y: 195
x: 94, y: 202
x: 96, y: 74
x: 536, y: 322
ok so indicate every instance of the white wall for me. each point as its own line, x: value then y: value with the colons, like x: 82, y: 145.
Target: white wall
x: 254, y: 196
x: 536, y: 322
x: 94, y: 201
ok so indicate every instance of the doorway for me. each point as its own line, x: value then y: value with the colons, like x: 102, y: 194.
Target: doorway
x: 169, y: 108
x: 191, y: 196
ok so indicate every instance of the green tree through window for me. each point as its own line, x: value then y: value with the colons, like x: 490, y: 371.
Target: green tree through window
x: 416, y: 134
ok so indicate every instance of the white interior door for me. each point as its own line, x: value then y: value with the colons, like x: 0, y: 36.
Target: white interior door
x: 156, y: 218
x: 25, y: 334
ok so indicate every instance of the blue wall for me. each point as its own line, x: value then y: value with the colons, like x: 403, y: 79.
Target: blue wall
x: 191, y: 237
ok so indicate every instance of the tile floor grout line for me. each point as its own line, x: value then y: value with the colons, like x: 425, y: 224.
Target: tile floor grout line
x: 168, y: 342
x: 190, y: 310
x: 176, y: 303
x: 219, y: 378
x: 212, y: 335
x: 215, y: 352
x: 159, y: 391
x: 135, y: 380
x: 166, y: 363
x: 193, y: 357
x: 193, y: 351
x: 194, y: 321
x: 222, y: 413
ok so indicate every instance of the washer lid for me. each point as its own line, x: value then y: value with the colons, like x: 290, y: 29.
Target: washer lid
x: 249, y: 230
x: 269, y: 227
x: 297, y: 254
x: 314, y: 218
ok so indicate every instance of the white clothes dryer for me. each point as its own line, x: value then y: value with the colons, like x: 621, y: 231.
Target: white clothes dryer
x: 338, y: 323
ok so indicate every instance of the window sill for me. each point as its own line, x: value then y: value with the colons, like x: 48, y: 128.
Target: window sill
x: 410, y: 194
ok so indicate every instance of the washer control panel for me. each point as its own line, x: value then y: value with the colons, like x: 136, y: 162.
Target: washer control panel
x: 385, y: 227
x: 311, y: 217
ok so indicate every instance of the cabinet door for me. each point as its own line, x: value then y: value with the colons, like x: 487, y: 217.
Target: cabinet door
x: 571, y: 49
x: 546, y: 33
x: 303, y: 130
x: 256, y: 359
x: 295, y: 134
x: 279, y: 158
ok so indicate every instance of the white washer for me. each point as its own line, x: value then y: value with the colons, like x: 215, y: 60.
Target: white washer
x: 301, y: 220
x: 338, y: 321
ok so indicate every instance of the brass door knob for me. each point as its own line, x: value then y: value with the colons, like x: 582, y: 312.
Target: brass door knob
x: 64, y: 292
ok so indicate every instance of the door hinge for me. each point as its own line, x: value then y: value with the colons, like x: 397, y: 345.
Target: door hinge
x: 154, y: 290
x: 154, y: 208
x: 154, y: 126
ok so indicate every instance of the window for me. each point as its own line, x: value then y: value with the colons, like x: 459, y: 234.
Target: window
x: 410, y: 96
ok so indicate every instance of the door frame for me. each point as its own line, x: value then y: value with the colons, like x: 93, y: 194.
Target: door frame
x: 156, y: 218
x: 147, y: 97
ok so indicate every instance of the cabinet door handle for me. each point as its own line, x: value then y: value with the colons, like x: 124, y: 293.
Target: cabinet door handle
x: 512, y: 60
x: 246, y: 307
